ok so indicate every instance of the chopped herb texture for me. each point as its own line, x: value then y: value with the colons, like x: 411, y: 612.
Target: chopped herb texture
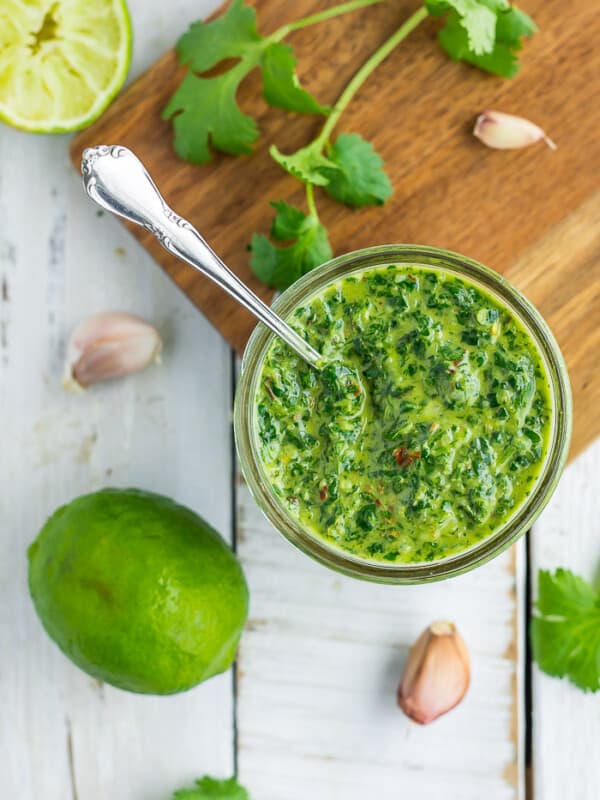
x: 565, y: 632
x: 428, y: 427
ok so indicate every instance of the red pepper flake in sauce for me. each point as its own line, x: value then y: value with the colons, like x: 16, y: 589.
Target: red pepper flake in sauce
x: 404, y: 458
x: 324, y: 492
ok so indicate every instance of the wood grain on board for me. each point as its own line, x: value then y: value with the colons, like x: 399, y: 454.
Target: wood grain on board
x: 525, y: 213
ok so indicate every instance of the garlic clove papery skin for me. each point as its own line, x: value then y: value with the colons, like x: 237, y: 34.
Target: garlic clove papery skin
x: 437, y: 674
x: 110, y: 345
x: 508, y: 132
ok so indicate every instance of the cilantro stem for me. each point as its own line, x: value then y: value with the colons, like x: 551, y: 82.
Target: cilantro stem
x: 365, y: 71
x: 310, y: 201
x: 359, y: 78
x: 321, y: 16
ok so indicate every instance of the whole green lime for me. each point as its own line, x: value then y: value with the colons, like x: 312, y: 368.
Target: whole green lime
x: 138, y: 591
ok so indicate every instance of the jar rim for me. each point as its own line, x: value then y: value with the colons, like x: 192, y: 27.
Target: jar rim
x: 505, y: 293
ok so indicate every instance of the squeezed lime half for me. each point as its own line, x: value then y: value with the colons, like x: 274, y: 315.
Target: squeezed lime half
x: 61, y: 61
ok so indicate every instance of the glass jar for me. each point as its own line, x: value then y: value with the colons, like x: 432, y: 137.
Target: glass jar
x: 508, y: 532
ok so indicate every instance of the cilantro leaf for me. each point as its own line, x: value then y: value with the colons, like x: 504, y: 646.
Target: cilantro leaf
x: 484, y: 33
x: 208, y: 788
x: 359, y: 179
x: 287, y: 222
x: 476, y: 17
x: 232, y: 35
x: 512, y: 25
x: 205, y: 111
x: 351, y: 172
x: 502, y: 59
x: 281, y: 87
x: 305, y: 164
x: 454, y: 40
x: 280, y: 266
x: 565, y: 634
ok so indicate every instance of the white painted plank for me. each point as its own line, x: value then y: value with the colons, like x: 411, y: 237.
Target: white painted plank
x: 168, y: 429
x: 566, y: 722
x: 319, y: 667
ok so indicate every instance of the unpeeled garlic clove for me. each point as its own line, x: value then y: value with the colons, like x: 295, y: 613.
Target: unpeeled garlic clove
x: 507, y: 132
x: 436, y: 676
x: 110, y: 345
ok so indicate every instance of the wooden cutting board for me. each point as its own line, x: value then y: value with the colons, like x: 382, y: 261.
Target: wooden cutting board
x: 533, y: 214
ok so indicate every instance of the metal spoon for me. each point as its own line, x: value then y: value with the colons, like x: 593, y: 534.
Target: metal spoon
x: 117, y: 180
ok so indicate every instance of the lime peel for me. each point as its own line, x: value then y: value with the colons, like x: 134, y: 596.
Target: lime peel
x: 138, y: 591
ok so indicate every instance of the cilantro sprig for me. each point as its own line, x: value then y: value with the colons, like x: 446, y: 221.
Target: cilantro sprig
x: 280, y: 266
x: 565, y: 633
x: 208, y: 788
x: 204, y: 110
x: 484, y: 33
x: 206, y: 115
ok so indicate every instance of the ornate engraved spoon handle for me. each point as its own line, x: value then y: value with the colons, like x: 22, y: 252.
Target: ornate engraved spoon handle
x: 117, y: 180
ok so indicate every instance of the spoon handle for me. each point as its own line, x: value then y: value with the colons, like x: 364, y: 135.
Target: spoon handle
x: 117, y: 180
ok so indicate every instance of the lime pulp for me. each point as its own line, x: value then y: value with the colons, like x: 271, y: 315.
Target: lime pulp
x: 61, y: 61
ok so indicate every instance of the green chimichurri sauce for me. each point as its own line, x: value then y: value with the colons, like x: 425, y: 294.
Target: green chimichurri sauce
x: 442, y: 428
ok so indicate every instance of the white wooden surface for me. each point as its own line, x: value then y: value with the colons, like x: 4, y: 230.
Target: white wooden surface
x: 566, y: 722
x: 318, y: 672
x: 62, y: 736
x: 322, y: 655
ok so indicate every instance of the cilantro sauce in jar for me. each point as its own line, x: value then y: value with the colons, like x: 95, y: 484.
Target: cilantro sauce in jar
x: 441, y: 433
